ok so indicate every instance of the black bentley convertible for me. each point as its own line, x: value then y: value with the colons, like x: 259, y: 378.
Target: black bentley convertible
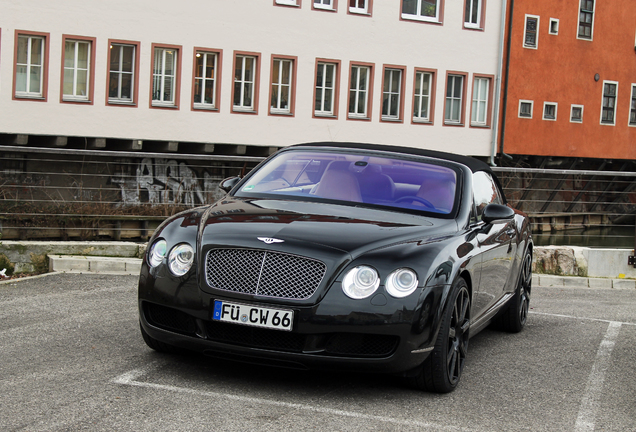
x: 338, y: 255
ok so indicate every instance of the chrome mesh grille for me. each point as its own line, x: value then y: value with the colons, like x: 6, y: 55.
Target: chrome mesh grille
x: 264, y: 273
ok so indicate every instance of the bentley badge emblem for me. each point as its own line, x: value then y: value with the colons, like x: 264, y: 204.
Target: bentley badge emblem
x: 270, y: 240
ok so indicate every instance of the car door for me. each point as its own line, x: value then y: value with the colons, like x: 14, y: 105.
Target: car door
x: 497, y: 245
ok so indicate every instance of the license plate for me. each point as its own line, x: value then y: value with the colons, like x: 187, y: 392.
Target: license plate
x: 250, y: 315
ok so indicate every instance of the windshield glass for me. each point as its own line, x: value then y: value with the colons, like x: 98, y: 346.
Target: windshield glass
x: 356, y: 178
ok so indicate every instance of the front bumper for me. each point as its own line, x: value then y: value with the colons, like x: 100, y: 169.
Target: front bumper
x: 381, y: 334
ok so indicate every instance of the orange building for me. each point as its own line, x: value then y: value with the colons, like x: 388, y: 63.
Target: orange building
x: 570, y: 79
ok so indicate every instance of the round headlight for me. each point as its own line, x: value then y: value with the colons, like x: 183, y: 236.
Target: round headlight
x: 360, y: 282
x: 181, y: 259
x: 157, y: 253
x: 401, y: 282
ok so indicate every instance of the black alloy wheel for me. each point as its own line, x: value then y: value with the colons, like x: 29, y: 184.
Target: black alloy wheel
x: 442, y: 369
x: 515, y: 316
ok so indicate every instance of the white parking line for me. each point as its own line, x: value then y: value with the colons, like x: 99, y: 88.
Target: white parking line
x: 131, y: 378
x: 586, y: 419
x: 594, y: 388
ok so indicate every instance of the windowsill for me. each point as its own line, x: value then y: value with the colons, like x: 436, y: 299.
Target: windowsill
x: 421, y: 121
x: 417, y: 18
x: 204, y: 107
x: 449, y: 123
x: 608, y: 124
x: 281, y: 113
x: 326, y: 9
x: 525, y: 117
x: 354, y: 12
x: 164, y: 105
x: 327, y: 116
x: 549, y: 119
x: 73, y: 100
x: 530, y: 47
x: 470, y: 27
x: 581, y: 122
x: 630, y: 125
x: 391, y: 120
x: 240, y: 110
x: 30, y: 97
x: 354, y: 117
x: 121, y: 102
x: 296, y: 5
x: 480, y: 126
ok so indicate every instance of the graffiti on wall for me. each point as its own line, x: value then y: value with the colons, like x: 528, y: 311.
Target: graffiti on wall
x: 163, y: 181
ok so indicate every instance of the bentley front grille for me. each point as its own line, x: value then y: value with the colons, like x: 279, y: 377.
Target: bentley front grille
x: 263, y: 273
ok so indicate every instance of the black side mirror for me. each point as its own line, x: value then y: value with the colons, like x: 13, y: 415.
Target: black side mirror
x: 493, y: 212
x: 229, y: 183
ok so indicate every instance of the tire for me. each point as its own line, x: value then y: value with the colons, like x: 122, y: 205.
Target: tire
x: 158, y: 345
x: 514, y: 318
x: 442, y: 369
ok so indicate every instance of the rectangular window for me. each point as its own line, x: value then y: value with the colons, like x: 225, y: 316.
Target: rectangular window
x: 122, y: 72
x: 550, y: 111
x: 576, y: 113
x: 453, y: 112
x: 424, y: 96
x: 554, y: 26
x: 360, y: 85
x: 481, y: 96
x: 472, y: 14
x: 282, y: 90
x: 245, y: 90
x: 392, y: 90
x: 610, y: 90
x: 531, y: 32
x: 422, y: 10
x: 360, y: 6
x: 586, y: 19
x: 325, y: 4
x: 31, y: 64
x: 165, y: 76
x: 525, y: 108
x: 325, y: 99
x: 632, y: 109
x: 77, y: 69
x: 206, y: 83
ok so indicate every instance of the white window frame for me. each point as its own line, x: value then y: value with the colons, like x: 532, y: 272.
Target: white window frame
x: 75, y: 69
x: 572, y: 108
x: 632, y: 108
x: 613, y: 122
x: 243, y: 82
x: 360, y: 10
x: 120, y: 74
x: 323, y: 4
x: 162, y: 75
x: 470, y: 9
x: 418, y: 12
x: 524, y: 101
x: 421, y: 96
x: 478, y: 100
x: 525, y: 32
x: 205, y: 81
x: 452, y: 100
x: 277, y: 87
x: 388, y: 93
x: 354, y: 88
x: 578, y: 21
x: 556, y: 109
x: 553, y: 21
x: 323, y: 89
x: 27, y: 93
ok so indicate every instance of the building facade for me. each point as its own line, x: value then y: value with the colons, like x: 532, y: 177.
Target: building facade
x: 262, y: 73
x: 571, y: 80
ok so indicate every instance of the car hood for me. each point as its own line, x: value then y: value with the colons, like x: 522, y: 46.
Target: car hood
x: 305, y: 226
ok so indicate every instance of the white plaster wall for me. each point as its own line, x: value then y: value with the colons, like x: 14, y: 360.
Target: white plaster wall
x: 258, y: 26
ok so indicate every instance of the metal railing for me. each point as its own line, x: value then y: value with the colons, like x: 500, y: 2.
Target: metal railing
x: 62, y: 194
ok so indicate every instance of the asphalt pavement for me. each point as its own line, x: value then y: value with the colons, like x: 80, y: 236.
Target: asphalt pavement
x: 72, y: 359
